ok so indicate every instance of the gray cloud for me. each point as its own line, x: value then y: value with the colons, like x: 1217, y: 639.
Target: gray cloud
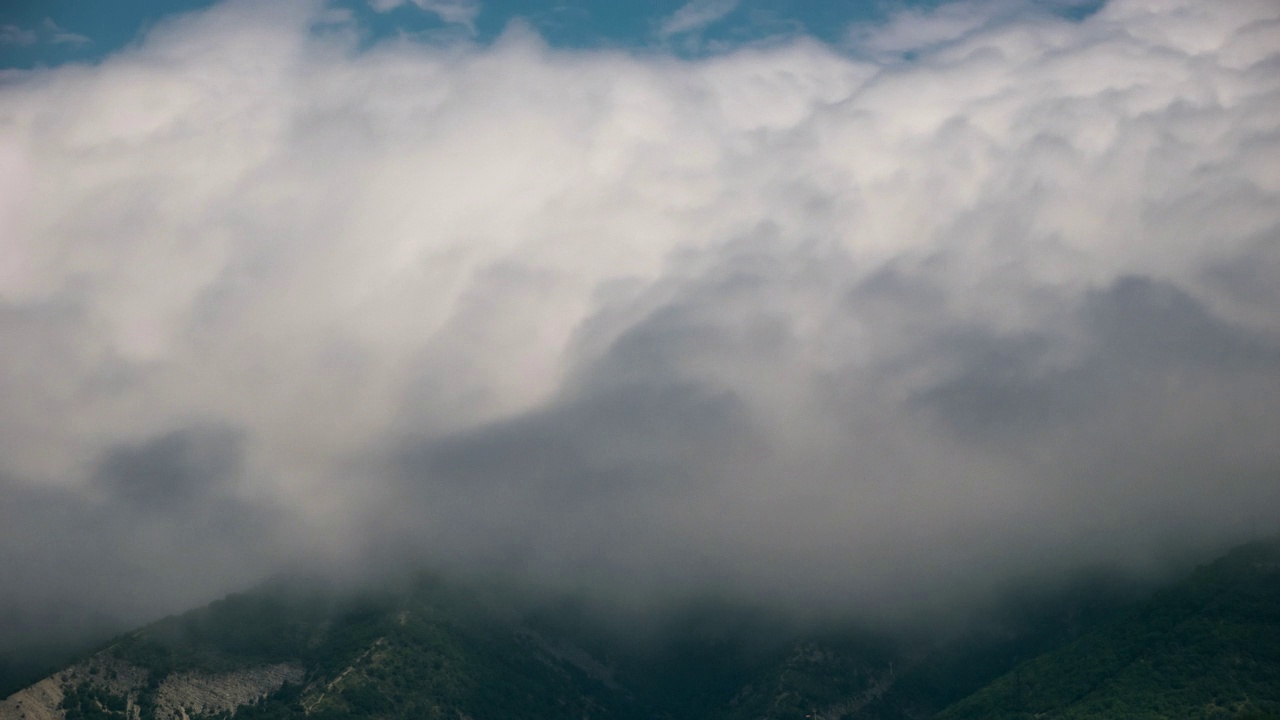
x: 158, y: 528
x: 1136, y: 332
x: 176, y: 470
x: 840, y: 335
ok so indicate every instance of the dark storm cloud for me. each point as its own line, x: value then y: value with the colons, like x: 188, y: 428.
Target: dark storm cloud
x: 174, y: 472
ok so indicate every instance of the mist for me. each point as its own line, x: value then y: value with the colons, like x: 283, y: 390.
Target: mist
x: 978, y: 298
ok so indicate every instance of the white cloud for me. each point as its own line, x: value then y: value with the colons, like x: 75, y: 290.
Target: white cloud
x: 14, y: 35
x: 459, y: 12
x: 696, y: 15
x: 913, y: 30
x: 456, y: 12
x: 59, y: 35
x: 1017, y: 296
x: 48, y: 32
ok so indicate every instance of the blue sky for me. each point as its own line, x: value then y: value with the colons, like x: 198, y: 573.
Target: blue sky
x: 49, y: 33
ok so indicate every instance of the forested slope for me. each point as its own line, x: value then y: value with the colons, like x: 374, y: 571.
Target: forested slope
x: 1205, y: 647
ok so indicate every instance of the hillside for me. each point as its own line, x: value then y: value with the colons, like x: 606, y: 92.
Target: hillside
x: 1205, y: 647
x: 288, y: 650
x: 1208, y: 647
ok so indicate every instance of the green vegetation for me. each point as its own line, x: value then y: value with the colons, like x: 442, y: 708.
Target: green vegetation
x: 1207, y: 647
x: 426, y: 651
x: 273, y: 624
x: 85, y: 702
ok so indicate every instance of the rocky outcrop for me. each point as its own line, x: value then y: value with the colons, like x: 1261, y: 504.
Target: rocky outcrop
x: 41, y: 701
x: 182, y: 694
x: 178, y: 696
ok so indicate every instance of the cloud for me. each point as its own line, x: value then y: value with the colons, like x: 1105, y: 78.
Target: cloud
x: 846, y: 335
x: 696, y: 15
x: 457, y: 12
x: 59, y: 35
x: 14, y: 35
x: 911, y: 30
x: 80, y: 561
x: 47, y: 32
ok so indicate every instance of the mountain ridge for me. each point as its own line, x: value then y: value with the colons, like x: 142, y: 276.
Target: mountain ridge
x: 1206, y: 646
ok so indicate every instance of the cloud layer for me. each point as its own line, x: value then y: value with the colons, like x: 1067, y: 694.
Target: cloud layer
x: 842, y: 334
